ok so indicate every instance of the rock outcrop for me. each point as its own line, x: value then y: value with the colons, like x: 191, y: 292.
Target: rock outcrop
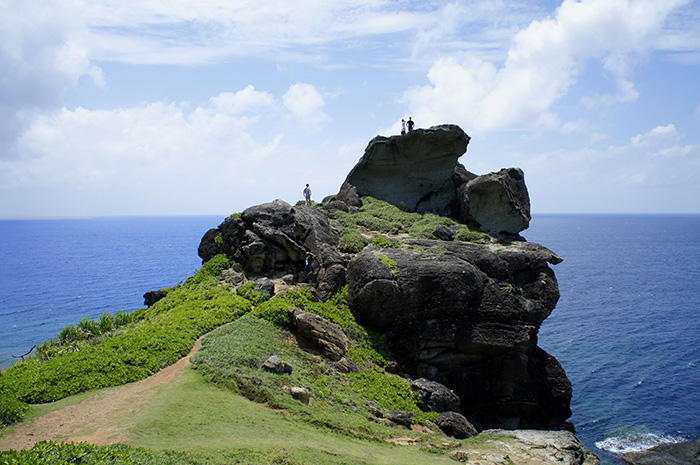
x: 412, y: 171
x: 497, y: 202
x: 467, y: 316
x: 456, y: 425
x: 434, y: 396
x: 419, y: 172
x: 684, y: 453
x: 461, y: 314
x: 275, y: 237
x: 527, y: 447
x: 320, y: 334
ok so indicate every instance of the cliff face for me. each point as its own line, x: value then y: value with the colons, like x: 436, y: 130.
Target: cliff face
x: 463, y: 314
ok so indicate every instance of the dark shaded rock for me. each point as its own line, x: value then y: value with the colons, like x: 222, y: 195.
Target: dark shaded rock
x: 265, y: 285
x: 434, y: 396
x: 456, y: 425
x: 444, y: 233
x: 336, y: 205
x: 288, y: 279
x: 467, y: 315
x: 684, y: 453
x: 274, y: 237
x: 497, y: 202
x: 400, y: 417
x: 331, y: 279
x: 276, y: 365
x: 320, y: 334
x: 412, y: 171
x: 151, y: 297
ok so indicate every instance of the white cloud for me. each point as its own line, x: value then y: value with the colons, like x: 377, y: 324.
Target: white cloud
x: 543, y: 62
x: 633, y: 177
x: 305, y: 103
x: 660, y: 135
x: 247, y: 99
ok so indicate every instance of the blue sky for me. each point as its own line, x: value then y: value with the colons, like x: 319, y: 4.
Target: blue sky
x: 183, y: 107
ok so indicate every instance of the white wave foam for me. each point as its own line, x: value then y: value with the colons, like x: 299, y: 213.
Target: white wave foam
x: 635, y: 442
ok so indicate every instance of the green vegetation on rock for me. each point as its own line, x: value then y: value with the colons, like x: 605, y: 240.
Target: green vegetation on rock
x: 389, y: 263
x: 468, y: 235
x: 248, y: 291
x: 383, y: 217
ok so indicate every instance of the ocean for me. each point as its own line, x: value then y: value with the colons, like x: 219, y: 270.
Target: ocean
x: 625, y: 328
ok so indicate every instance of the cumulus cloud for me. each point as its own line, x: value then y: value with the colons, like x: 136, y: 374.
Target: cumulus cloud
x: 305, y: 103
x: 542, y: 64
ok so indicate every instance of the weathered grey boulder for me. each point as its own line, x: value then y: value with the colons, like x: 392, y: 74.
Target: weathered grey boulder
x: 434, y: 396
x: 265, y: 285
x: 276, y: 365
x: 496, y: 202
x: 320, y: 334
x: 299, y: 393
x: 151, y: 297
x: 273, y: 237
x: 527, y: 447
x: 400, y: 417
x: 413, y: 171
x: 466, y: 315
x: 456, y: 425
x: 684, y: 453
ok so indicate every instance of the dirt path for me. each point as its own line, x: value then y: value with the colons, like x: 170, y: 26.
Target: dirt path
x: 103, y: 418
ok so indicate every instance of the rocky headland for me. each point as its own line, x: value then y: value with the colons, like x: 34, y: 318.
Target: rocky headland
x: 458, y: 304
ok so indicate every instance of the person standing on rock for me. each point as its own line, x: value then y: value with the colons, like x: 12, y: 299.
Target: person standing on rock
x: 307, y: 195
x: 410, y: 124
x: 403, y: 126
x: 309, y: 265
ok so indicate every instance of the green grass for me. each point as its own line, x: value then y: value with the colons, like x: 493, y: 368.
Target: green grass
x: 165, y: 332
x: 383, y: 217
x: 231, y: 357
x: 214, y: 425
x: 468, y: 235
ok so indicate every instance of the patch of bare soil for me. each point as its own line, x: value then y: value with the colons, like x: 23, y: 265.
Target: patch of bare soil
x: 102, y: 418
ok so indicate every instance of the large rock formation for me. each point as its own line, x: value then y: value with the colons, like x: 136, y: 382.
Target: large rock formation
x: 275, y: 237
x: 461, y: 314
x: 467, y: 316
x: 419, y: 172
x: 412, y: 171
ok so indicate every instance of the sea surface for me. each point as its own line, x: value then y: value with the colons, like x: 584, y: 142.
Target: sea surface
x: 625, y: 329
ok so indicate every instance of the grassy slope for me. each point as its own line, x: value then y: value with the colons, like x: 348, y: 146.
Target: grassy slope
x: 209, y: 423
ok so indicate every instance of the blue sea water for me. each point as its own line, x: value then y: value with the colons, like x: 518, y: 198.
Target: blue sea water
x: 625, y: 328
x: 54, y: 272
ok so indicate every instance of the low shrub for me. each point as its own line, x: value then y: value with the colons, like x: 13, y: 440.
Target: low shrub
x: 384, y: 243
x: 468, y: 235
x: 248, y: 291
x: 351, y: 241
x: 53, y: 453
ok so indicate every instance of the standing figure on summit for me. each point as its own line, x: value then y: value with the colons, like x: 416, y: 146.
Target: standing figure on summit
x: 410, y: 124
x: 307, y: 195
x: 403, y: 126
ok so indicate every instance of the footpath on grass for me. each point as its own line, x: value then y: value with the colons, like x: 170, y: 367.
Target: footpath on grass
x: 103, y: 418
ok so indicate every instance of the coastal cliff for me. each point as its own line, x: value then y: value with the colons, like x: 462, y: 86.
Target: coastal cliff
x: 459, y: 303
